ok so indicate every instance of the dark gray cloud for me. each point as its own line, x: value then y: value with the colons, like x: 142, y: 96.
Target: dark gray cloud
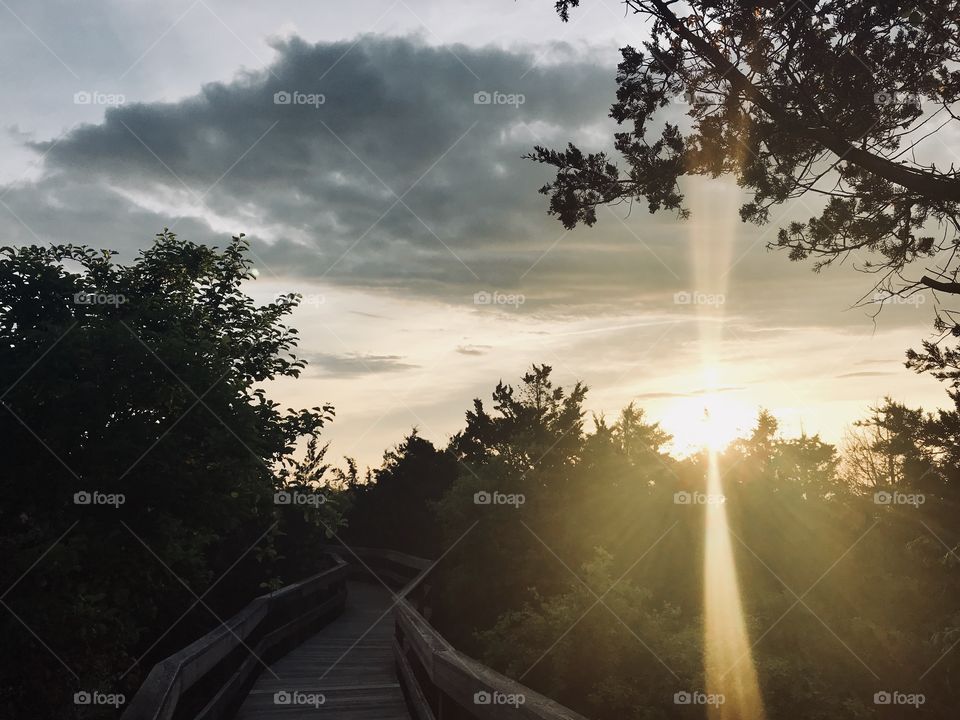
x: 397, y: 181
x: 398, y: 178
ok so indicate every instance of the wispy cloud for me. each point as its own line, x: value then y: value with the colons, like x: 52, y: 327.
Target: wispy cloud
x: 474, y: 349
x: 352, y: 364
x: 864, y: 373
x: 691, y: 393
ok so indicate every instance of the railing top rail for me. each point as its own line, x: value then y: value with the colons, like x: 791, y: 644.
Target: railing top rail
x: 463, y: 678
x: 400, y: 558
x: 451, y: 671
x: 156, y: 698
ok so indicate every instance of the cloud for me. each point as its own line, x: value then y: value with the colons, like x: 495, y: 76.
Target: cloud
x: 398, y: 181
x: 352, y: 364
x: 693, y: 393
x: 397, y: 178
x: 865, y: 373
x: 474, y: 349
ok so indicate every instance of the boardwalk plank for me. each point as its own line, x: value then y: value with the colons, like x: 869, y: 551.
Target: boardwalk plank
x: 350, y: 662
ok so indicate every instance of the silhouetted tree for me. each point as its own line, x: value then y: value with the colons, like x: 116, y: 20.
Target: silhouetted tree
x: 535, y: 423
x: 141, y: 454
x: 394, y: 508
x: 592, y: 591
x: 822, y: 98
x: 896, y: 447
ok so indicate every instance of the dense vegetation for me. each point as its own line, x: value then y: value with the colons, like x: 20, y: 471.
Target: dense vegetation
x: 591, y: 589
x: 141, y: 458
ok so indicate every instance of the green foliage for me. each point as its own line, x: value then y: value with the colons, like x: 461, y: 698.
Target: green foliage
x: 557, y: 485
x: 143, y: 381
x: 591, y: 590
x: 312, y: 516
x: 573, y: 625
x: 394, y: 508
x: 535, y: 422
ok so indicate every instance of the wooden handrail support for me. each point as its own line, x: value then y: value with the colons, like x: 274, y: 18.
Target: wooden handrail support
x: 478, y: 691
x: 269, y: 621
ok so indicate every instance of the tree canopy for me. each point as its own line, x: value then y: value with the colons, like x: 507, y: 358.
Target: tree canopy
x: 582, y: 575
x: 142, y: 455
x: 849, y: 102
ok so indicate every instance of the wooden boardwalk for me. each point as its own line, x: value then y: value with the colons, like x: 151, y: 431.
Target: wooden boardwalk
x: 356, y: 684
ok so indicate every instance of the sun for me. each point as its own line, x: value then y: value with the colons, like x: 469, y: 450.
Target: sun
x: 708, y: 421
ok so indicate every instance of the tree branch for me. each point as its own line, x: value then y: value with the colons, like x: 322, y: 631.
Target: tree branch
x: 947, y: 287
x: 924, y: 183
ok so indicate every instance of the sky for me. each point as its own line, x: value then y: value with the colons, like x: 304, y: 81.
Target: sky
x: 353, y: 144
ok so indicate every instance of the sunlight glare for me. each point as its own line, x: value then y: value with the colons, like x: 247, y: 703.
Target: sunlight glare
x: 710, y: 421
x: 728, y: 658
x: 730, y: 670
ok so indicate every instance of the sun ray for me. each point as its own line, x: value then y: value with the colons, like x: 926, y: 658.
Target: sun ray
x: 730, y: 670
x: 728, y: 659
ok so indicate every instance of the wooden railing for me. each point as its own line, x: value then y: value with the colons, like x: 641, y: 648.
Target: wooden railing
x: 440, y: 682
x: 208, y: 679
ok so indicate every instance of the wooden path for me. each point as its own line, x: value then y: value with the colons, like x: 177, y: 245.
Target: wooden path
x: 356, y: 684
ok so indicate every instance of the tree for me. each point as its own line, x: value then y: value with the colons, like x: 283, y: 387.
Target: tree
x: 943, y: 443
x: 517, y: 468
x: 592, y: 590
x: 891, y: 449
x: 141, y: 455
x: 863, y: 467
x: 826, y: 98
x: 536, y: 424
x: 573, y: 625
x: 637, y: 438
x: 807, y: 465
x: 315, y: 490
x: 394, y: 509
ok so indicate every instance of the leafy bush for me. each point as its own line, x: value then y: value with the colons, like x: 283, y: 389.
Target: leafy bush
x: 141, y: 459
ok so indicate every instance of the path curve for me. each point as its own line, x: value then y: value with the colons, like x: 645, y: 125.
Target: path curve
x: 349, y: 662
